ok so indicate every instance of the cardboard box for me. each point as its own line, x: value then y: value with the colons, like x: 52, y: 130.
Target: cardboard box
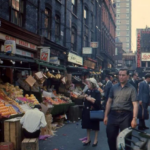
x: 30, y: 144
x: 30, y: 80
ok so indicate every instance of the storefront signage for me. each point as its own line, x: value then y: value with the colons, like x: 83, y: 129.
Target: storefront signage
x: 24, y: 53
x: 138, y: 50
x: 18, y: 41
x: 94, y: 44
x: 75, y: 59
x: 45, y: 54
x: 87, y: 50
x: 145, y: 56
x: 89, y: 64
x: 10, y: 46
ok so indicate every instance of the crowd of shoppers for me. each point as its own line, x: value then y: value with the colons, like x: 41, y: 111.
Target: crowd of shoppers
x: 123, y: 96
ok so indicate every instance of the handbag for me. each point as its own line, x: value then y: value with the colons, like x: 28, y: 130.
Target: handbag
x: 97, y: 115
x: 143, y: 113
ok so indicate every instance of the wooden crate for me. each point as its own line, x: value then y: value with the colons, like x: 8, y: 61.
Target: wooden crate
x: 30, y: 144
x: 12, y: 132
x: 6, y: 146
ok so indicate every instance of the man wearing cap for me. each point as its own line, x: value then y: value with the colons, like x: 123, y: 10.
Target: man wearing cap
x: 32, y: 121
x: 121, y: 109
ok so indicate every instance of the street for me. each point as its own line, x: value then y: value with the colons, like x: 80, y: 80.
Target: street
x: 67, y: 138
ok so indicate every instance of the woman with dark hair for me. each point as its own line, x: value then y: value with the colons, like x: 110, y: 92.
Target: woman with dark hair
x: 92, y: 102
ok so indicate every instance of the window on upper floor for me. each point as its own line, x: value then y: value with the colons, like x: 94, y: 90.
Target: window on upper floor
x: 85, y: 15
x: 127, y: 4
x: 73, y: 38
x: 127, y: 15
x: 17, y: 12
x: 48, y: 22
x: 118, y: 16
x: 118, y: 33
x: 117, y: 0
x: 127, y: 10
x: 74, y: 6
x: 85, y: 41
x: 116, y: 51
x: 128, y: 27
x: 92, y: 23
x: 57, y: 27
x: 118, y: 10
x: 127, y: 39
x: 117, y: 4
x: 127, y: 21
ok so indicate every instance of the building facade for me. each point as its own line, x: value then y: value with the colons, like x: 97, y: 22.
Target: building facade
x: 123, y: 22
x: 66, y: 25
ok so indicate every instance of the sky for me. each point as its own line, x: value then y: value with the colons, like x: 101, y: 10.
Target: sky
x: 140, y: 18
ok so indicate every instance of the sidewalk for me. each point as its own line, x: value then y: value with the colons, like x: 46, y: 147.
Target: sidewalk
x: 67, y: 138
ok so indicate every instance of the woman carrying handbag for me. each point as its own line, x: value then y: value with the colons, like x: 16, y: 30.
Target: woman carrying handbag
x: 92, y: 102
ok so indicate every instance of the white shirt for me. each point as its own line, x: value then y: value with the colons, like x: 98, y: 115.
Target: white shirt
x: 33, y: 120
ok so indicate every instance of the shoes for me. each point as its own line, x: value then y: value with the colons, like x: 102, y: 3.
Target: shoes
x: 94, y: 145
x: 88, y: 143
x: 141, y: 128
x: 146, y: 127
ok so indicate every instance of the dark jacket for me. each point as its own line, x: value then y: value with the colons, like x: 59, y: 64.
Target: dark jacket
x: 88, y: 106
x: 135, y: 84
x: 107, y: 90
x: 144, y: 93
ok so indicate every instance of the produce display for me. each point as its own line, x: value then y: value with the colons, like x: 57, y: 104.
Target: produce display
x: 50, y: 75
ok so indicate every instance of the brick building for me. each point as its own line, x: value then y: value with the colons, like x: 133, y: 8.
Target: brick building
x: 65, y: 25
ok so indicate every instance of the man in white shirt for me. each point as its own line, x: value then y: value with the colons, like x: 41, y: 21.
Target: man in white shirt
x: 32, y: 121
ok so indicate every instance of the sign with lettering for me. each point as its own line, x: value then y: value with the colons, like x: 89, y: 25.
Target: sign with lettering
x: 138, y: 50
x: 145, y: 56
x: 45, y: 54
x: 75, y: 59
x: 89, y: 64
x: 24, y: 53
x: 94, y: 44
x: 10, y: 46
x: 18, y: 41
x: 87, y: 50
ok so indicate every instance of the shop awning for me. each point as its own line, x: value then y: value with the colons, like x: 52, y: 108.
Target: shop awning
x: 5, y: 56
x: 49, y: 65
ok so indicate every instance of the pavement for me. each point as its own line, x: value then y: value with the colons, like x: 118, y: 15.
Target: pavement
x: 67, y: 138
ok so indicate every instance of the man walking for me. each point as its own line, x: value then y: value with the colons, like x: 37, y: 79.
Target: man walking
x: 121, y: 109
x: 107, y: 89
x: 133, y: 81
x: 144, y: 96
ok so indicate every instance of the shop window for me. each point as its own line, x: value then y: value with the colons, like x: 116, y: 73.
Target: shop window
x: 74, y: 6
x: 47, y: 23
x: 85, y: 15
x: 17, y: 11
x: 73, y: 38
x: 57, y: 27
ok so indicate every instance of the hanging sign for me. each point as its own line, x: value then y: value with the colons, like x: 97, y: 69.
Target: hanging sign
x: 94, y: 44
x: 86, y: 50
x: 45, y: 54
x: 75, y: 59
x: 10, y: 46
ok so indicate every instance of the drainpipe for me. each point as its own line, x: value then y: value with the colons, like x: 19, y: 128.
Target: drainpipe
x: 38, y: 18
x: 65, y: 23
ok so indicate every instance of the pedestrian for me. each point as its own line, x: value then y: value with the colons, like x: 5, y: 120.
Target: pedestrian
x: 133, y: 81
x: 115, y: 81
x: 121, y: 109
x: 92, y: 102
x: 144, y: 96
x: 32, y: 121
x: 107, y: 89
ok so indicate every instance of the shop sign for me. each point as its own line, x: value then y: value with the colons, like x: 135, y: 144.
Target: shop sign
x: 94, y: 44
x: 145, y: 56
x: 86, y: 50
x: 138, y: 50
x: 89, y: 64
x: 10, y: 46
x: 45, y: 54
x: 75, y: 59
x: 18, y: 41
x: 24, y: 53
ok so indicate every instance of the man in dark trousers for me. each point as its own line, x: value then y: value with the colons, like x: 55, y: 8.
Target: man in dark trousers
x: 107, y: 89
x: 133, y: 81
x: 144, y: 97
x: 121, y: 109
